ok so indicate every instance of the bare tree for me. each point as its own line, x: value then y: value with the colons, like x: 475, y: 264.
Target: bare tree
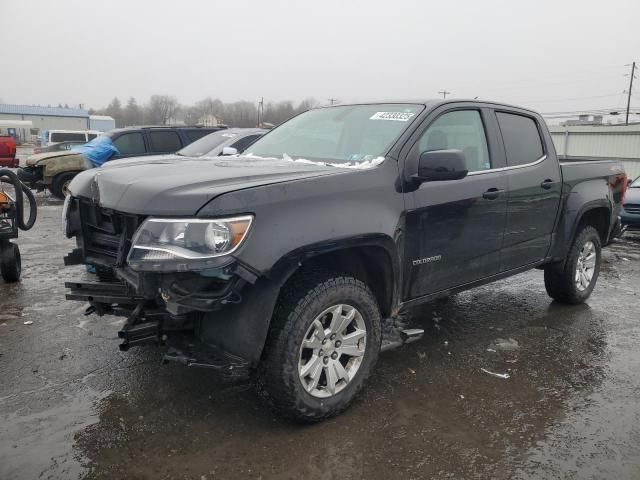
x: 114, y: 110
x: 133, y: 114
x: 161, y: 109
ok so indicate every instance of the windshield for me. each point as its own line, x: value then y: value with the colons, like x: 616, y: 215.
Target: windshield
x: 635, y: 183
x: 351, y: 133
x: 206, y: 144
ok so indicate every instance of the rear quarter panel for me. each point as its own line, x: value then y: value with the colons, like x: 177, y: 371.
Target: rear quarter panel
x: 587, y: 185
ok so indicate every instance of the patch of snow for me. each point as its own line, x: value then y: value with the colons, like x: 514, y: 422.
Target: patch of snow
x: 364, y: 165
x: 504, y: 376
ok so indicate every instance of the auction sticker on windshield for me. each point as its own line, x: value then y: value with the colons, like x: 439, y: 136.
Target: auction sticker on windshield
x: 394, y: 116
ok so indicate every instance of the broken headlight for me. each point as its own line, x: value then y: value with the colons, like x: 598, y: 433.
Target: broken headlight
x: 167, y: 244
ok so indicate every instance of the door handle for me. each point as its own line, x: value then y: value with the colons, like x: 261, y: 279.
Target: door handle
x: 492, y: 193
x: 547, y: 184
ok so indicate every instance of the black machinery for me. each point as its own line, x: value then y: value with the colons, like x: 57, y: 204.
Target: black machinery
x: 12, y: 220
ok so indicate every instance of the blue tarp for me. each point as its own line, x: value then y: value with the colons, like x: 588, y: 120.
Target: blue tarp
x: 97, y: 151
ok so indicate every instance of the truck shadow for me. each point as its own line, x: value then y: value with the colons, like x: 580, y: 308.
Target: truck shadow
x: 429, y: 410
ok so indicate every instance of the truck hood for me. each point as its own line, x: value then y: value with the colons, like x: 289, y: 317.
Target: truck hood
x: 39, y: 157
x: 123, y: 162
x: 182, y: 186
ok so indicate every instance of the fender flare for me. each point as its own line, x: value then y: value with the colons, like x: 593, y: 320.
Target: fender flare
x: 242, y: 329
x: 592, y: 205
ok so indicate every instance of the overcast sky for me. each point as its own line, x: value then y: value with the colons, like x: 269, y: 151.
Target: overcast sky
x: 548, y: 55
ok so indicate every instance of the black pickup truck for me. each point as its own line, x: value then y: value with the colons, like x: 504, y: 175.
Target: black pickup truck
x: 295, y: 263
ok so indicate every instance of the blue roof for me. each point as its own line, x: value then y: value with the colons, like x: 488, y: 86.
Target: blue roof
x: 43, y: 111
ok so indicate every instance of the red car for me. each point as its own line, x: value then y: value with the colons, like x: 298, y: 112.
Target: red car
x: 8, y: 152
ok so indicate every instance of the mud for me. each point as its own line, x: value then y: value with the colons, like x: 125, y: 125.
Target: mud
x: 73, y: 406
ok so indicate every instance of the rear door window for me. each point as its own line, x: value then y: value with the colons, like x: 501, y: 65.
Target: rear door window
x: 164, y: 141
x: 130, y: 144
x: 57, y: 137
x: 521, y: 138
x: 194, y: 135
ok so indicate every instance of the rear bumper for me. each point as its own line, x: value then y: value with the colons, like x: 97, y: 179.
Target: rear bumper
x: 630, y: 220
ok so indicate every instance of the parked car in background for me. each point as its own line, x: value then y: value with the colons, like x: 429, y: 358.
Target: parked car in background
x: 57, y: 136
x: 8, y: 152
x: 224, y: 142
x: 58, y: 147
x: 630, y: 214
x: 55, y: 170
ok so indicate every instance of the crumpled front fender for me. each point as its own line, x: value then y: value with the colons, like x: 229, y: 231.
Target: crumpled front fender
x: 56, y: 165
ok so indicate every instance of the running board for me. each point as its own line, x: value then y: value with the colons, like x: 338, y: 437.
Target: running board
x: 401, y: 337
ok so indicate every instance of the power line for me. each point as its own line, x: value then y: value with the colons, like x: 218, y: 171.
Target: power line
x: 571, y: 98
x: 590, y: 111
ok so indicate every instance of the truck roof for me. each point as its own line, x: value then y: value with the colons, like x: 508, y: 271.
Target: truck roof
x: 149, y: 127
x: 434, y: 102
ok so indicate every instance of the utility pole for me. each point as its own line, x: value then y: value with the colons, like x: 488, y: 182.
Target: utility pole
x: 332, y: 100
x: 260, y: 112
x: 633, y: 71
x: 444, y: 93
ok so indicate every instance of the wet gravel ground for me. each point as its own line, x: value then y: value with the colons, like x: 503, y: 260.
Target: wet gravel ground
x: 73, y: 406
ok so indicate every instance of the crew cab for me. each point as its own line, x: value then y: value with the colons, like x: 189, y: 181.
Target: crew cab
x: 55, y: 170
x: 298, y: 262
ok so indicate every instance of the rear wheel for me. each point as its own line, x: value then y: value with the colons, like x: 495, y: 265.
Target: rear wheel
x: 10, y: 262
x: 573, y: 281
x: 324, y: 343
x: 60, y: 185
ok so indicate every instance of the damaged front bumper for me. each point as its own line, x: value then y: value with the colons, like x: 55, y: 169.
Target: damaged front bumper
x: 168, y: 310
x: 216, y: 317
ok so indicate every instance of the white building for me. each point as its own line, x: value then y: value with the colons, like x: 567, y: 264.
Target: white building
x: 43, y: 118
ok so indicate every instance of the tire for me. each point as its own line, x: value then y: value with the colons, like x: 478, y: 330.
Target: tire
x: 318, y: 299
x: 60, y: 184
x: 10, y: 263
x: 562, y: 280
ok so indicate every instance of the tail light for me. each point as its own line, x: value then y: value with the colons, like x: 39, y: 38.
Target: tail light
x: 625, y: 185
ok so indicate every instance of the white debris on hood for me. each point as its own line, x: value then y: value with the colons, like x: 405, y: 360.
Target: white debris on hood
x: 370, y: 163
x: 356, y: 165
x: 504, y: 376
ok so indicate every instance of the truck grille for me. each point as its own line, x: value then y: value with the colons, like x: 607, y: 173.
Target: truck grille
x: 106, y: 234
x: 632, y: 208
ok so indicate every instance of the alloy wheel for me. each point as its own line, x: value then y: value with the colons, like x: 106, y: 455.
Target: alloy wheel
x: 332, y: 350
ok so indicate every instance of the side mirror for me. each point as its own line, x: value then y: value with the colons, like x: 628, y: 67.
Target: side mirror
x: 438, y: 165
x: 229, y: 151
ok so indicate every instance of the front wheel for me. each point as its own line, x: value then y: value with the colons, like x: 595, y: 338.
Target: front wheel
x: 10, y: 262
x: 60, y: 184
x: 573, y: 281
x: 323, y: 344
